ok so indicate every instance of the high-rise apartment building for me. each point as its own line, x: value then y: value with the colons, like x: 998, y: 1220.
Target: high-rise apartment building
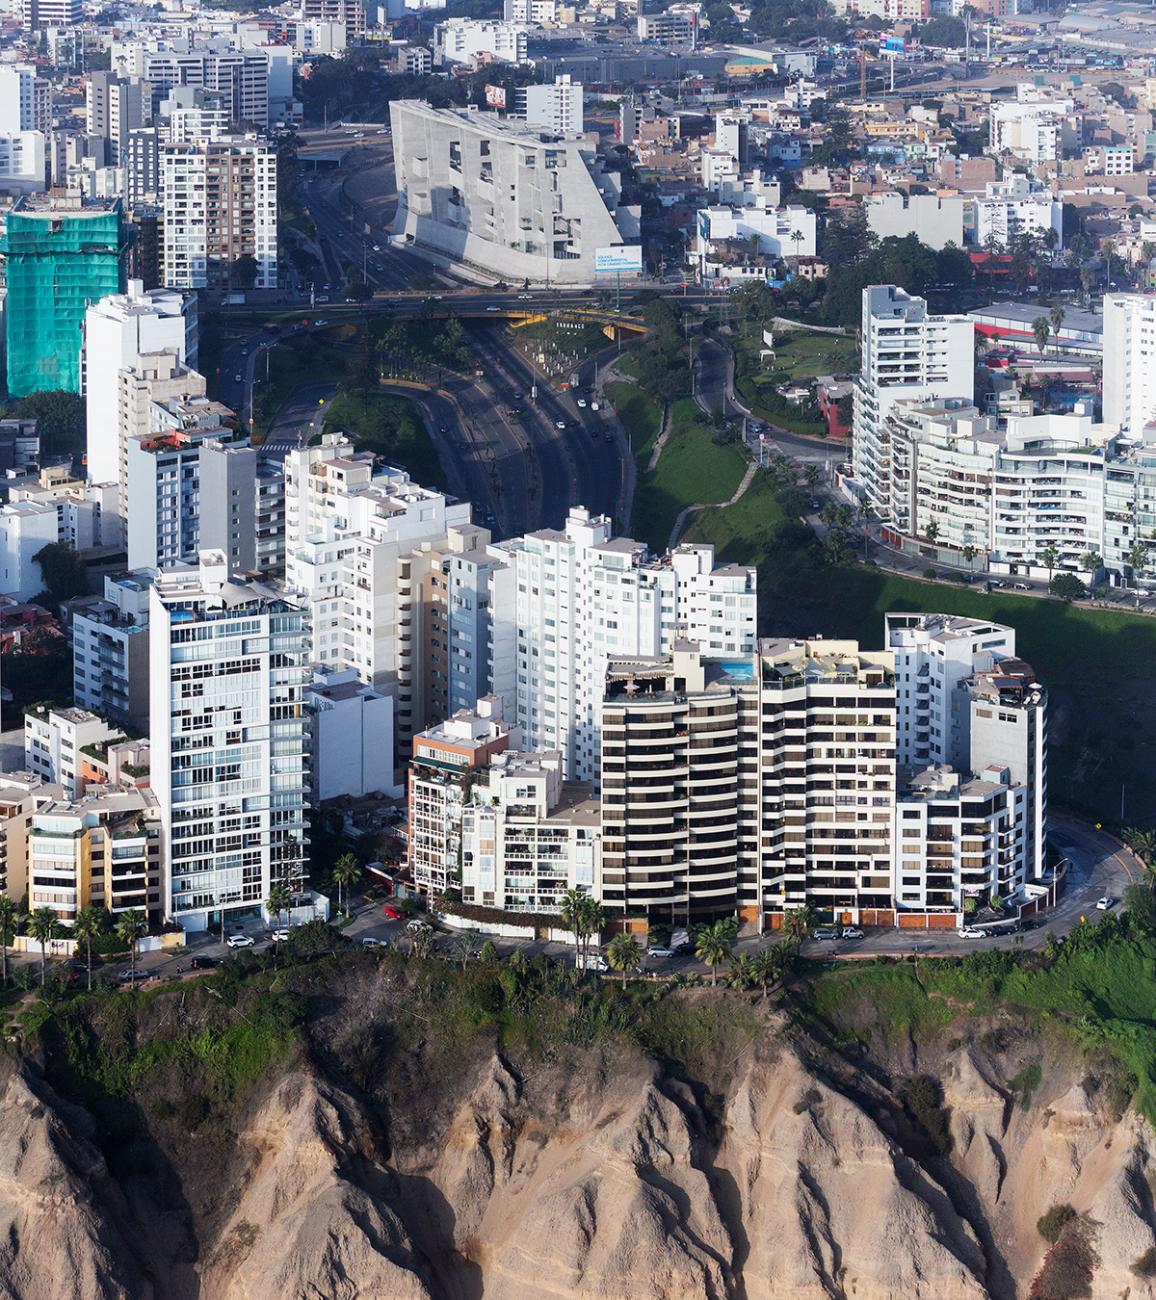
x: 35, y: 15
x: 118, y: 331
x: 503, y: 196
x: 192, y: 113
x: 908, y: 355
x: 113, y: 107
x: 446, y: 760
x: 1130, y: 361
x: 54, y: 740
x: 142, y: 169
x: 555, y: 106
x: 242, y: 76
x: 220, y: 205
x: 110, y: 652
x: 349, y: 12
x: 583, y: 597
x: 61, y: 254
x: 190, y: 487
x: 228, y: 666
x: 351, y: 528
x: 25, y: 99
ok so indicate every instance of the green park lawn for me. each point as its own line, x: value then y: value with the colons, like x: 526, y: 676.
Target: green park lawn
x: 691, y: 468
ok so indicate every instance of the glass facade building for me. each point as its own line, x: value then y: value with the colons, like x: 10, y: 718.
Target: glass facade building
x: 61, y: 255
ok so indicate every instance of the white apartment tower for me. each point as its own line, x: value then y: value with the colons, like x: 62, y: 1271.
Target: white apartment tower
x: 228, y: 667
x: 555, y: 106
x: 220, y: 204
x: 583, y: 597
x: 1130, y: 361
x: 350, y: 527
x: 908, y: 355
x: 118, y: 331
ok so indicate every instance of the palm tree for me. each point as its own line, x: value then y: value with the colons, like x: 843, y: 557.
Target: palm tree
x: 88, y: 925
x: 346, y: 873
x: 132, y: 926
x: 1142, y: 843
x: 796, y: 925
x: 1090, y: 561
x: 796, y: 239
x: 744, y: 972
x: 1056, y: 317
x: 931, y: 532
x: 1049, y: 558
x: 9, y: 914
x: 593, y: 918
x: 768, y: 966
x: 278, y: 901
x: 42, y: 926
x: 811, y: 473
x: 1041, y: 329
x: 623, y: 953
x: 713, y: 945
x: 570, y: 910
x: 1137, y: 556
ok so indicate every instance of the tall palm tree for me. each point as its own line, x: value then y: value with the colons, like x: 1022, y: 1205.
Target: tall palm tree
x: 1056, y: 316
x: 9, y: 914
x: 278, y: 902
x: 713, y: 946
x: 744, y: 972
x: 796, y: 239
x: 42, y: 926
x: 796, y: 925
x: 131, y: 927
x: 88, y: 924
x: 623, y: 953
x: 570, y: 909
x: 346, y: 873
x: 1049, y: 558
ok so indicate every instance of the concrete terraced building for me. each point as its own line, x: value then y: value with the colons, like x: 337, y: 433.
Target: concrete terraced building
x: 508, y: 199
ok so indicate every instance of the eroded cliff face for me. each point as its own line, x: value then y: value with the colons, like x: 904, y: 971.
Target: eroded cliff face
x: 600, y: 1177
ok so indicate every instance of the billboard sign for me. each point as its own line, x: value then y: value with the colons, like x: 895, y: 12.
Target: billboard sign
x: 496, y: 96
x: 627, y: 258
x: 891, y: 46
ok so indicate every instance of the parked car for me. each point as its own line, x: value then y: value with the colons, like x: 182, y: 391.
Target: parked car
x: 281, y: 936
x: 492, y: 307
x: 239, y: 941
x: 971, y: 932
x: 392, y: 912
x: 1103, y: 904
x: 850, y: 932
x: 203, y: 963
x: 592, y: 961
x: 1021, y: 586
x: 824, y: 932
x: 370, y: 942
x: 133, y: 976
x: 581, y: 402
x: 659, y: 950
x: 417, y: 924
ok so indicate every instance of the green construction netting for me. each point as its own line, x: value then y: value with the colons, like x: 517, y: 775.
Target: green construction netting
x: 57, y: 263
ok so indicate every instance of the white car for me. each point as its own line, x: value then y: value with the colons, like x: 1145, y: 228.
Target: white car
x: 281, y: 936
x: 370, y: 942
x: 850, y: 932
x: 1103, y: 904
x: 416, y: 925
x: 581, y: 402
x: 239, y: 941
x: 971, y: 932
x: 659, y: 950
x: 561, y: 424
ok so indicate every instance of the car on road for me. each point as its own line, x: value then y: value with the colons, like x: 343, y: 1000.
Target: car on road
x: 971, y: 932
x: 370, y: 942
x: 203, y: 963
x: 1103, y: 904
x: 392, y: 912
x: 581, y: 402
x: 417, y: 924
x: 525, y: 297
x: 1021, y: 586
x: 377, y: 248
x: 281, y: 936
x: 815, y: 503
x: 443, y: 428
x: 851, y: 932
x: 659, y: 950
x: 492, y: 307
x: 133, y: 976
x: 996, y: 585
x: 239, y: 941
x: 824, y: 932
x: 236, y: 379
x: 561, y: 424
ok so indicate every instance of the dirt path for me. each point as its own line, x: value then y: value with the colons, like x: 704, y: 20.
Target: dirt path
x: 687, y: 511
